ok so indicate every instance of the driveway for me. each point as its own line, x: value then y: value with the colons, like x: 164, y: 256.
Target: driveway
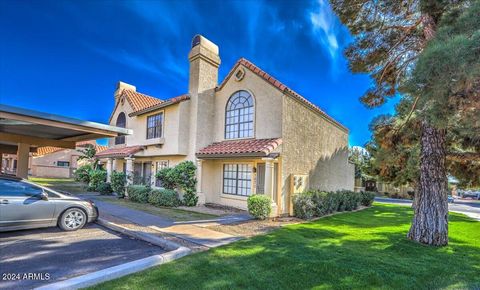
x: 468, y: 207
x: 61, y: 255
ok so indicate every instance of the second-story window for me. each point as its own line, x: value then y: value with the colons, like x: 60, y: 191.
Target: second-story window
x: 239, y: 116
x: 121, y: 122
x: 154, y: 126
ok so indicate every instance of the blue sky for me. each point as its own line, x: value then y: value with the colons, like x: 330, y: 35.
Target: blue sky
x: 65, y: 57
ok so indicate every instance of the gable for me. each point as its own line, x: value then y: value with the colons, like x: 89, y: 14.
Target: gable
x: 279, y: 86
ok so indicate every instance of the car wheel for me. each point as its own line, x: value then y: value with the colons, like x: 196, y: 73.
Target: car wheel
x: 72, y: 219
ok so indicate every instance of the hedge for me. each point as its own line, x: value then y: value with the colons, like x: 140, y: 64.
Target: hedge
x: 315, y: 203
x: 164, y: 197
x: 138, y: 193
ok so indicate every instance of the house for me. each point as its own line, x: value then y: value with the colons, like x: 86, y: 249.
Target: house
x: 248, y: 134
x: 51, y: 161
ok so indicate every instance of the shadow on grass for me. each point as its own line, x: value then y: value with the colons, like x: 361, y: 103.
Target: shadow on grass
x: 366, y: 249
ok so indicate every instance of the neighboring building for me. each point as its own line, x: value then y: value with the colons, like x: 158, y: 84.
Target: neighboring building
x: 249, y: 134
x: 51, y: 161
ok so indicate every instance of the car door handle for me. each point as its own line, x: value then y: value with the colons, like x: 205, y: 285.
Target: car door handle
x: 5, y: 201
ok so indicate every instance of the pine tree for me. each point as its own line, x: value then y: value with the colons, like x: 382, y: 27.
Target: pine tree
x: 400, y: 44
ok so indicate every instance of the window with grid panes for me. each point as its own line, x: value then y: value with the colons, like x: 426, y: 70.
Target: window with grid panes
x: 237, y: 179
x: 154, y: 126
x: 239, y: 116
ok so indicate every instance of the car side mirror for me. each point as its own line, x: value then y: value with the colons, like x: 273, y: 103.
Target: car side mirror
x: 43, y: 196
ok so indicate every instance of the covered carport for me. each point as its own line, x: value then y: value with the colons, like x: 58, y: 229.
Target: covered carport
x: 22, y: 131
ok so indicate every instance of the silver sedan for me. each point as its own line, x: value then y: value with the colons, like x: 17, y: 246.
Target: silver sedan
x: 26, y: 205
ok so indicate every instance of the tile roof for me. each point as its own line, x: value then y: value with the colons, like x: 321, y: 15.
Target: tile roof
x: 248, y: 147
x: 49, y: 149
x: 163, y: 104
x: 120, y: 152
x: 279, y: 85
x: 140, y: 101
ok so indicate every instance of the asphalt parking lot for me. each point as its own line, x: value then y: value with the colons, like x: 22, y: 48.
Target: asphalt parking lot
x: 33, y: 258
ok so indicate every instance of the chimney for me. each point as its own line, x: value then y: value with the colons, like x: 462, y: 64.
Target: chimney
x: 204, y: 62
x: 122, y: 86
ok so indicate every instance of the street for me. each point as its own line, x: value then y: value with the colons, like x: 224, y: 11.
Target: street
x: 468, y: 207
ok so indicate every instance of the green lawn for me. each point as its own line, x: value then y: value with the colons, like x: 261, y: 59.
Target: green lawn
x: 365, y: 249
x: 62, y: 184
x: 172, y: 213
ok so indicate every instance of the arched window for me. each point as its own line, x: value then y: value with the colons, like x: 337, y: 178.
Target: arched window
x: 122, y: 123
x: 239, y: 116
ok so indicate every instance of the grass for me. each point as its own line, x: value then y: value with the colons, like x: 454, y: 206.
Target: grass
x: 365, y: 249
x: 172, y: 213
x: 62, y: 184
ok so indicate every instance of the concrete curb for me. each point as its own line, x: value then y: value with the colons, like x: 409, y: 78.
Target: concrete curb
x: 167, y: 245
x: 175, y: 251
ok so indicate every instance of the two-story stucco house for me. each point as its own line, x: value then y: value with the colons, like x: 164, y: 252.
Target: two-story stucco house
x: 248, y: 134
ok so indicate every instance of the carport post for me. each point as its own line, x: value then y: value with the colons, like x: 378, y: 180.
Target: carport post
x: 109, y: 169
x: 23, y: 152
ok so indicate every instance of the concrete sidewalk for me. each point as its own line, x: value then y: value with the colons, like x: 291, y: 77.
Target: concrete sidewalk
x: 191, y: 231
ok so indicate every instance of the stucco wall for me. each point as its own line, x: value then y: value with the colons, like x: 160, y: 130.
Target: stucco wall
x: 174, y: 121
x: 314, y: 146
x: 46, y: 165
x: 212, y: 184
x: 268, y: 106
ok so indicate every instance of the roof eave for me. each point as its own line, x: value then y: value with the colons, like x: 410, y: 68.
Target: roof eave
x: 156, y: 107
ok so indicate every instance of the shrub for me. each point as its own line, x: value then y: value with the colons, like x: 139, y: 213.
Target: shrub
x: 181, y: 176
x: 325, y: 202
x: 314, y: 203
x: 351, y: 200
x: 367, y: 198
x: 332, y: 202
x: 259, y: 206
x: 105, y: 188
x: 138, y: 193
x: 82, y: 173
x: 167, y: 177
x: 97, y: 177
x: 118, y: 180
x: 164, y: 197
x: 303, y: 205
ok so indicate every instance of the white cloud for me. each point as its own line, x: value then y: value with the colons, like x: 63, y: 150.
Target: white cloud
x: 324, y: 28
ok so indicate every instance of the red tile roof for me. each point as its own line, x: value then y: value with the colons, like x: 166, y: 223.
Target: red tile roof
x: 279, y: 85
x: 120, y: 152
x: 165, y: 103
x: 140, y: 101
x: 250, y: 147
x: 49, y: 149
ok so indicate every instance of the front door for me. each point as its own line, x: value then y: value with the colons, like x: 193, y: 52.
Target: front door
x: 260, y: 178
x: 147, y: 172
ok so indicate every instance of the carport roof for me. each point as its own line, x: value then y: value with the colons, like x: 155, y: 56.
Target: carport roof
x: 18, y: 125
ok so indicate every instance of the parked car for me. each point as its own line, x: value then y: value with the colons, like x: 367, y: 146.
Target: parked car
x: 450, y: 199
x: 469, y: 193
x: 26, y: 205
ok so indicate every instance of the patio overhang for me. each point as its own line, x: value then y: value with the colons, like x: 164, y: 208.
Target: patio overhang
x: 23, y: 130
x: 247, y: 148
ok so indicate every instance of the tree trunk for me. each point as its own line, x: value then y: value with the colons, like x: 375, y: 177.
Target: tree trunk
x: 430, y: 220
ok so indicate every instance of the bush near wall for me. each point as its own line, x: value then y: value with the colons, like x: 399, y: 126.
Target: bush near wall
x: 164, y: 197
x: 138, y: 193
x: 105, y: 188
x: 259, y: 206
x: 316, y: 203
x: 82, y: 173
x: 97, y: 177
x: 118, y: 181
x: 182, y: 177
